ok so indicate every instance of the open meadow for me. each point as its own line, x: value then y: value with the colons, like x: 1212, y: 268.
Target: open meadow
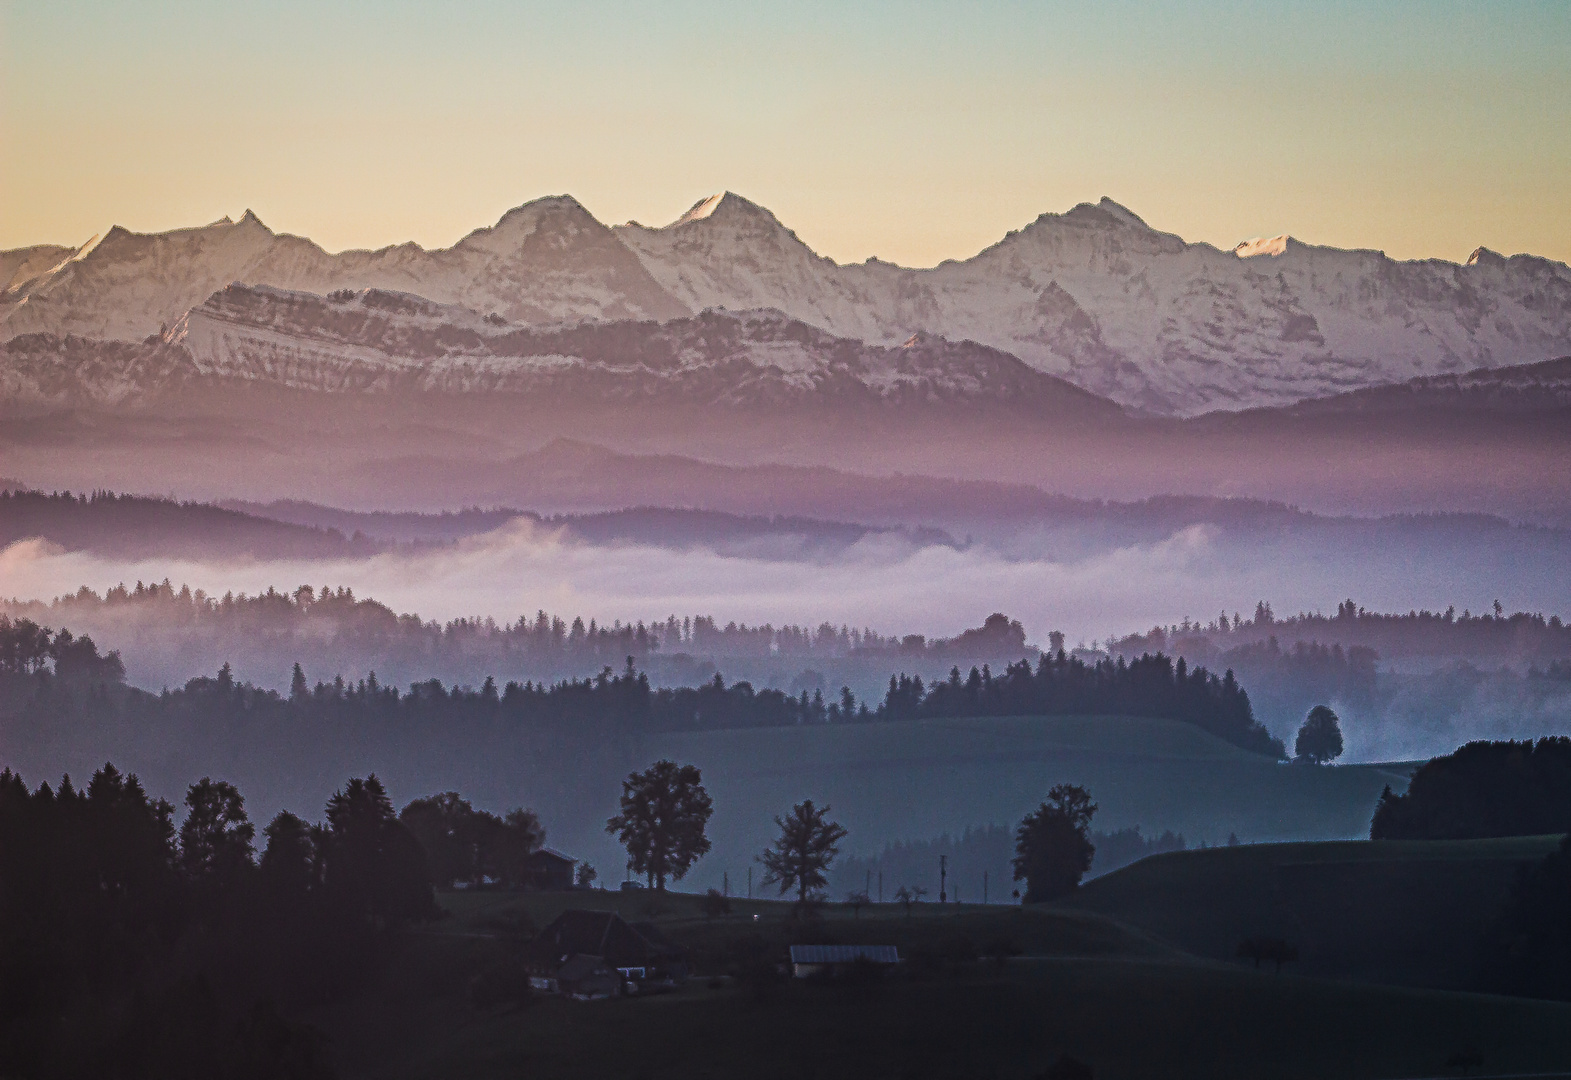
x: 1081, y: 983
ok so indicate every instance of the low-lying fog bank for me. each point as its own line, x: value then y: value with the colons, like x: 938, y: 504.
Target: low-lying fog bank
x: 884, y: 581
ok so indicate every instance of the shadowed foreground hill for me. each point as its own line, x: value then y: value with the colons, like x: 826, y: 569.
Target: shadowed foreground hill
x: 1081, y: 985
x: 1388, y: 911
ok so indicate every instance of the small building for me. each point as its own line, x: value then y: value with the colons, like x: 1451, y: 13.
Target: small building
x: 641, y: 957
x: 548, y: 871
x: 831, y: 959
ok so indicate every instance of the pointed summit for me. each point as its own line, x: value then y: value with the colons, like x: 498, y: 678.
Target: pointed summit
x: 726, y: 206
x: 532, y: 211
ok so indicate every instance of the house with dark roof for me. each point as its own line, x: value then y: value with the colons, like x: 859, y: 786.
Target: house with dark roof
x: 548, y: 870
x: 643, y: 958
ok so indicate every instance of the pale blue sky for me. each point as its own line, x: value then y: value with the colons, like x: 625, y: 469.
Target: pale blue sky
x: 915, y: 131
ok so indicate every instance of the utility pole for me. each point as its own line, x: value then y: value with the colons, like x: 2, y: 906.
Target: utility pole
x: 868, y: 888
x: 880, y: 886
x: 749, y: 882
x: 984, y: 888
x: 725, y: 883
x: 943, y: 878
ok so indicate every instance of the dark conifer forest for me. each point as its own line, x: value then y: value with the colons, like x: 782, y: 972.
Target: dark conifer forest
x: 131, y: 949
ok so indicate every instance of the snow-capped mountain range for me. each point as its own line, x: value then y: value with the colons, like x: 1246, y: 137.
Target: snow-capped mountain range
x: 1093, y: 295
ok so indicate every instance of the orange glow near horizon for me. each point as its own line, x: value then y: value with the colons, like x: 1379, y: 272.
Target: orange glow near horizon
x: 915, y: 134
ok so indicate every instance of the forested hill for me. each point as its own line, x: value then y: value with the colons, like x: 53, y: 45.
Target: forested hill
x: 37, y: 665
x: 136, y: 526
x: 1495, y: 636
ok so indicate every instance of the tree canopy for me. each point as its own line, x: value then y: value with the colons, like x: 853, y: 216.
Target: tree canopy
x: 1320, y: 737
x: 665, y: 811
x: 1480, y: 790
x: 1052, y: 850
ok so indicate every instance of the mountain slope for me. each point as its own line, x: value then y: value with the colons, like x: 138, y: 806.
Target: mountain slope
x: 378, y: 341
x: 1520, y: 389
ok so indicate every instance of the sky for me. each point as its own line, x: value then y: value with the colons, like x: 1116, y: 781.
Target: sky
x: 912, y: 131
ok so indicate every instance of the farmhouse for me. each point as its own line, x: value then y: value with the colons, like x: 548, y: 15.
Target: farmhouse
x: 584, y: 978
x: 579, y: 948
x: 832, y: 959
x: 548, y: 870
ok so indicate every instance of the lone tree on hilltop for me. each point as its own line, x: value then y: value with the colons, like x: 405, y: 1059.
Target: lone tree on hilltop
x: 808, y: 843
x: 1052, y: 852
x: 1320, y: 739
x: 664, y: 812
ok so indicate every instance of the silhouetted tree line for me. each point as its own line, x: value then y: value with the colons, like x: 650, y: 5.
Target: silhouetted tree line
x: 1488, y: 636
x: 360, y: 634
x: 476, y: 847
x: 133, y: 949
x: 27, y: 648
x: 1483, y: 789
x: 608, y: 703
x: 1060, y: 685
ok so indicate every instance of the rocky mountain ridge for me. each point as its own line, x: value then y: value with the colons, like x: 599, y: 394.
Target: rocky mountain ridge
x: 378, y: 341
x: 1094, y: 295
